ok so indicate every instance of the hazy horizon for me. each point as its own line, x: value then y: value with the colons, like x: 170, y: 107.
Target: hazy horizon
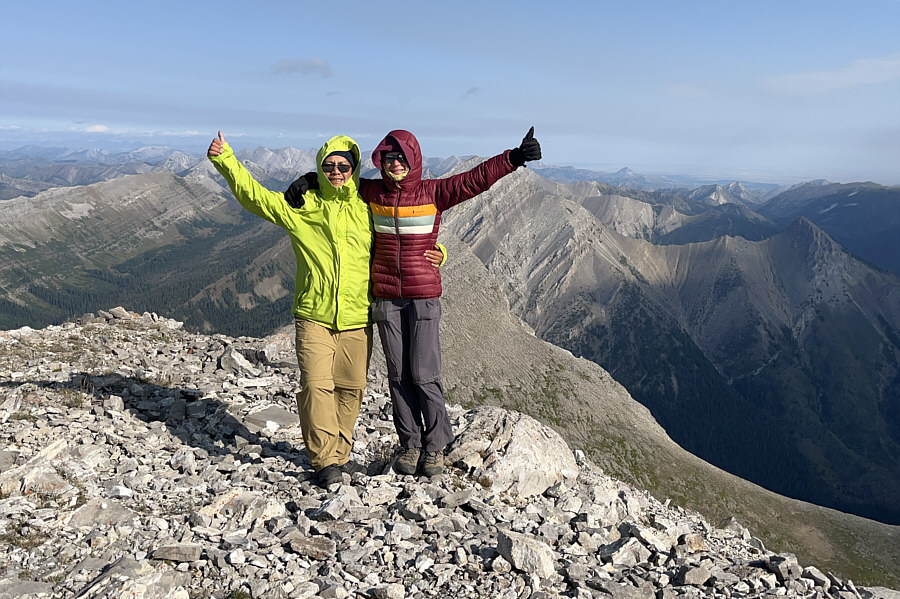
x: 768, y: 90
x: 699, y: 177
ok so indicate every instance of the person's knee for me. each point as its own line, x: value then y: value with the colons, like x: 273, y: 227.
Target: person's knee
x: 426, y: 378
x: 321, y: 383
x: 348, y: 397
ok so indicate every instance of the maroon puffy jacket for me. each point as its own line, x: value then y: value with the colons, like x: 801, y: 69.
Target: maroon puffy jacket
x: 407, y: 216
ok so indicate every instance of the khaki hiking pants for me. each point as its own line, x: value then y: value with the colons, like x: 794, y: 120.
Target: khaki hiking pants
x: 333, y: 367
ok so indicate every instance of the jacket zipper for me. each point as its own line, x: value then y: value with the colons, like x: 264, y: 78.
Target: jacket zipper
x: 337, y: 251
x: 397, y: 230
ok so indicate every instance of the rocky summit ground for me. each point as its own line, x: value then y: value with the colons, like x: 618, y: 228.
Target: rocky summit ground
x: 142, y: 461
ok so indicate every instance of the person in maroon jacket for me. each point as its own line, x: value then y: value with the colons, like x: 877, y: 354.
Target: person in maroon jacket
x: 406, y: 211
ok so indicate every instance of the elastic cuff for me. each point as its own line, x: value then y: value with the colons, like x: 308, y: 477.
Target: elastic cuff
x: 517, y: 157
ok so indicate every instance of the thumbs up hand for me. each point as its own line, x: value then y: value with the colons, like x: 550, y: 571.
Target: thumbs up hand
x: 217, y: 146
x: 528, y: 150
x: 530, y: 146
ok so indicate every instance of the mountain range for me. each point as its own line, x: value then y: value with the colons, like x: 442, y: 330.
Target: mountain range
x: 759, y: 341
x: 790, y: 339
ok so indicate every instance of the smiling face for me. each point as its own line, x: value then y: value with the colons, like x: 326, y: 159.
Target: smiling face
x: 395, y: 165
x: 333, y: 167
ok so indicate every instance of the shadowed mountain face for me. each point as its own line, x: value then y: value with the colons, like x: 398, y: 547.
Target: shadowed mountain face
x: 863, y: 217
x: 791, y: 340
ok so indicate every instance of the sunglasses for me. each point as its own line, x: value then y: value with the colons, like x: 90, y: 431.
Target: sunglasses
x: 330, y: 166
x: 391, y: 158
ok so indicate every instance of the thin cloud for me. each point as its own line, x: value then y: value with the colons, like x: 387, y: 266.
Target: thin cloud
x: 866, y: 71
x: 309, y: 66
x: 127, y: 131
x: 472, y: 91
x: 188, y: 133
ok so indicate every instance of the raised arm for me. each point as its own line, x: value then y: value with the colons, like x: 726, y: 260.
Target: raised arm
x: 464, y: 186
x: 254, y: 197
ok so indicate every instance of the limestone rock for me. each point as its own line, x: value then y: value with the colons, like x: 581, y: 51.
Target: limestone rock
x: 150, y: 462
x: 517, y: 453
x: 526, y: 553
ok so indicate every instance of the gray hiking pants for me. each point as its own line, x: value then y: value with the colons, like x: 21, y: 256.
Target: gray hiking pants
x: 409, y: 331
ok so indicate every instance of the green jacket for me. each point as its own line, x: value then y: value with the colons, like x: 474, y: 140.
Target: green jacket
x: 331, y: 236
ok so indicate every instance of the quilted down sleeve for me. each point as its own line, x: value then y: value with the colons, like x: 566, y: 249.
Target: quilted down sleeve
x: 451, y: 191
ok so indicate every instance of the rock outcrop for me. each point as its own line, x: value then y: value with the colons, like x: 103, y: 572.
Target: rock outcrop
x: 139, y: 460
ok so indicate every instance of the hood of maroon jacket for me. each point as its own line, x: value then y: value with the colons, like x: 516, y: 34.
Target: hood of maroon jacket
x: 400, y: 140
x: 407, y: 216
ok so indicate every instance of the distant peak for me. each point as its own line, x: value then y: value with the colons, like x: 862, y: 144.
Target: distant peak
x: 809, y: 233
x: 803, y: 225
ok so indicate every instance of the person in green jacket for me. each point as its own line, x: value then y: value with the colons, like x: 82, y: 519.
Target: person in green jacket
x: 331, y: 234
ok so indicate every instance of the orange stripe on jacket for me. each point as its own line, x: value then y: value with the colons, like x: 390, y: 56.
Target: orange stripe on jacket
x: 404, y: 211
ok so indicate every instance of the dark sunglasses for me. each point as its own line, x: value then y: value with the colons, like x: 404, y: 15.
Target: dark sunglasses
x: 391, y: 158
x: 330, y: 166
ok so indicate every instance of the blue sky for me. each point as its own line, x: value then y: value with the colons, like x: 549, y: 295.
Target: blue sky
x: 755, y: 90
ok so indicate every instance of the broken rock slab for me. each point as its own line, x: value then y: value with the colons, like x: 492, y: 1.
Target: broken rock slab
x: 526, y: 553
x: 514, y: 452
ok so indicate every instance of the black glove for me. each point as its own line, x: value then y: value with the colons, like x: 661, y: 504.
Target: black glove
x: 527, y: 151
x: 294, y: 194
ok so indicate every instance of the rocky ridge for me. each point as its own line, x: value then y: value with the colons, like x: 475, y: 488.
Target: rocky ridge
x: 139, y: 460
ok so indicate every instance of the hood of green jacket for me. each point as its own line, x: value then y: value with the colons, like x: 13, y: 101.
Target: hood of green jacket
x: 338, y: 143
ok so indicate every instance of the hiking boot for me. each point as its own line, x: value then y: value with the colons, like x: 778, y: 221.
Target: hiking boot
x: 352, y: 468
x: 330, y: 475
x: 408, y: 460
x: 433, y: 464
